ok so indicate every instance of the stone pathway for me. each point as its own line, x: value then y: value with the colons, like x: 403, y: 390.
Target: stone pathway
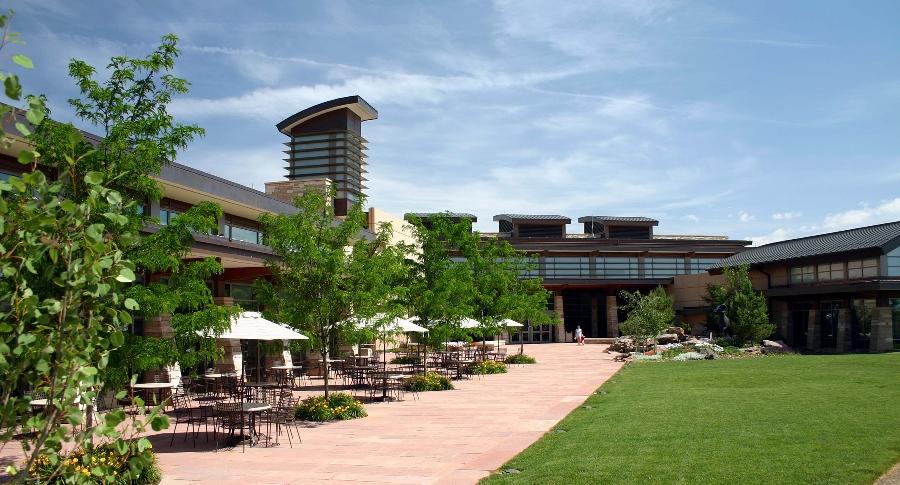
x: 447, y: 437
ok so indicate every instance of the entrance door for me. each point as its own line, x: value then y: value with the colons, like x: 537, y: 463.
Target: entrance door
x: 532, y: 334
x: 800, y: 324
x: 828, y: 321
x: 861, y: 323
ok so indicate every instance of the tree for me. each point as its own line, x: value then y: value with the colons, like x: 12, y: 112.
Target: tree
x: 502, y: 287
x: 747, y: 310
x: 440, y: 291
x: 648, y: 315
x: 328, y: 273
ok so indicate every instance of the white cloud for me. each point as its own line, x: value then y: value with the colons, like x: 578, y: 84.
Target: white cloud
x: 691, y: 218
x: 786, y: 216
x: 745, y: 217
x: 887, y: 211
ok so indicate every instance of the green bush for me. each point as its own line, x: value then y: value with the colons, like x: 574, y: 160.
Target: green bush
x: 520, y: 359
x: 102, y: 465
x: 338, y: 407
x: 431, y: 381
x: 488, y: 367
x: 673, y: 352
x: 406, y: 359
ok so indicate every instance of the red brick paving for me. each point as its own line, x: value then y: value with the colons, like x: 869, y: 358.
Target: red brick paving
x: 450, y: 437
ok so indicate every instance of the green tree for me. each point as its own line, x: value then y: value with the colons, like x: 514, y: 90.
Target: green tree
x: 441, y: 292
x: 648, y: 315
x: 63, y: 307
x: 328, y: 273
x: 747, y: 310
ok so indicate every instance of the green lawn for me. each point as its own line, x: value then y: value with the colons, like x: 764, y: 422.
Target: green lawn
x: 792, y: 419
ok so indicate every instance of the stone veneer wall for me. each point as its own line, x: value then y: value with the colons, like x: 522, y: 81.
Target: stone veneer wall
x: 288, y: 190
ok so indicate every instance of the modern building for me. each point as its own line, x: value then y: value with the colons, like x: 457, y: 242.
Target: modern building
x: 833, y: 292
x: 586, y: 271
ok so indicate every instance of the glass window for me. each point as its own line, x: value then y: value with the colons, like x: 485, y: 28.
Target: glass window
x: 242, y: 295
x: 4, y: 176
x: 831, y: 271
x: 803, y: 274
x: 567, y: 267
x: 893, y: 262
x: 866, y: 268
x: 895, y: 316
x: 166, y: 216
x: 656, y: 267
x: 700, y: 265
x: 237, y: 233
x: 617, y: 267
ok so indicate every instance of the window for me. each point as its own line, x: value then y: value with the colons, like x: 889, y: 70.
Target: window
x: 5, y: 176
x: 831, y: 271
x: 865, y: 268
x: 567, y: 267
x: 242, y: 295
x: 663, y: 267
x: 166, y: 216
x: 893, y: 262
x: 700, y: 265
x: 617, y: 267
x: 803, y: 274
x: 237, y: 233
x: 895, y: 318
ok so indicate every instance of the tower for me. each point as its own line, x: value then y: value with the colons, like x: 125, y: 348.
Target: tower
x: 326, y: 143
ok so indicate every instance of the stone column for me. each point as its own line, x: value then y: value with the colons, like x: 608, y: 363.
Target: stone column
x: 813, y: 330
x: 612, y: 316
x: 882, y: 337
x: 232, y: 359
x: 158, y: 326
x: 842, y: 339
x: 560, y: 331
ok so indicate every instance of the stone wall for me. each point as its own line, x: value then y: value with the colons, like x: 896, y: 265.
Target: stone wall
x: 288, y: 190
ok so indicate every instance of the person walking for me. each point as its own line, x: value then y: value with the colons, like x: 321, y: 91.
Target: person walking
x: 579, y: 335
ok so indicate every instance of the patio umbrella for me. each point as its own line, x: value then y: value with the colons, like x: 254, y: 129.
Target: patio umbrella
x: 398, y: 324
x: 506, y: 322
x: 252, y: 326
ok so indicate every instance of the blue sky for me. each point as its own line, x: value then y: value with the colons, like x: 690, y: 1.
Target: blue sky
x: 764, y: 120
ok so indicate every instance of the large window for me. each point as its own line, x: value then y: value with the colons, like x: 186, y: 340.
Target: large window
x: 4, y: 176
x: 803, y: 274
x: 242, y: 295
x: 237, y: 233
x: 893, y: 262
x: 831, y: 271
x: 895, y: 314
x: 564, y: 267
x: 700, y: 265
x: 865, y: 268
x: 617, y: 267
x: 656, y: 267
x: 166, y: 216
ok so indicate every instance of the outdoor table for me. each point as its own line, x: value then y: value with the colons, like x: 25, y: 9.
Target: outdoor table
x: 387, y: 376
x: 148, y: 387
x: 459, y: 363
x: 252, y: 409
x: 286, y: 372
x: 38, y: 404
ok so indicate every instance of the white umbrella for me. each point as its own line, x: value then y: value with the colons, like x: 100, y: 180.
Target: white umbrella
x: 252, y: 326
x: 510, y: 323
x: 469, y: 323
x: 392, y: 326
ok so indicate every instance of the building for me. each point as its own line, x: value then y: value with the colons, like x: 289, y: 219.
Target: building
x: 586, y: 271
x: 834, y: 292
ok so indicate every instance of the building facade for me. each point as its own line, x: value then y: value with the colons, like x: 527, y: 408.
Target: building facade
x: 835, y: 292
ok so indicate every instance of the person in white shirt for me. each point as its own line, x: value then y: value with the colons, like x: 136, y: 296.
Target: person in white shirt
x: 579, y: 335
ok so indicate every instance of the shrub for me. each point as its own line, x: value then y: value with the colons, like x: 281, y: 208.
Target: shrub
x: 488, y: 367
x: 520, y: 359
x: 431, y: 381
x: 672, y: 352
x: 406, y: 359
x: 102, y: 464
x: 338, y: 406
x: 689, y: 356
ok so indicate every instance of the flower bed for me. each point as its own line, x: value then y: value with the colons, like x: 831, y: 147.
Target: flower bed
x: 102, y: 464
x: 488, y: 367
x: 520, y: 359
x: 431, y: 381
x: 338, y: 407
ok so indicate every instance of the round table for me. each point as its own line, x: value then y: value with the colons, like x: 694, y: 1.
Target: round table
x: 252, y: 409
x: 151, y: 386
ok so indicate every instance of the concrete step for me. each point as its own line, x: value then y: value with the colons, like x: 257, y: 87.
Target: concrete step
x: 598, y: 340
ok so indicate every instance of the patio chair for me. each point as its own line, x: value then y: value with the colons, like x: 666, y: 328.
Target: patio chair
x: 185, y: 414
x: 282, y: 416
x: 230, y: 417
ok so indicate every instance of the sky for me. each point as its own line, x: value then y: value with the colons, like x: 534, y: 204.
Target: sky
x: 763, y: 120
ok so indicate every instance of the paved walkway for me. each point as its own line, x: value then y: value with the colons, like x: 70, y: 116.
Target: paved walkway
x: 447, y: 437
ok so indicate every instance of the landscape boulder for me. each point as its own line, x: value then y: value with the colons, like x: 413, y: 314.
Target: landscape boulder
x: 774, y: 347
x: 623, y: 345
x: 677, y: 331
x: 667, y: 338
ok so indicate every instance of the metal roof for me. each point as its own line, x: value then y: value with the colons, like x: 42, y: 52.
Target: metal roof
x: 618, y: 219
x: 882, y: 236
x: 532, y: 217
x: 354, y: 103
x: 451, y: 215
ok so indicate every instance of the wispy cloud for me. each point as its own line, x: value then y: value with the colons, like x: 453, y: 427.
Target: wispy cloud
x: 786, y: 216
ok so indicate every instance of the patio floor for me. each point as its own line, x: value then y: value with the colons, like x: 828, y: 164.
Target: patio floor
x: 448, y: 437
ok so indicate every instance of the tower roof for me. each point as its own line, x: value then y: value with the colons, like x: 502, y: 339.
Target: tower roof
x: 356, y: 104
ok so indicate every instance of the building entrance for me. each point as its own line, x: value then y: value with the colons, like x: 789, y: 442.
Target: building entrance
x: 587, y: 309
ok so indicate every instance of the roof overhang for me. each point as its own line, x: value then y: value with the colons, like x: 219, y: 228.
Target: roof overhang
x: 536, y: 219
x: 356, y: 104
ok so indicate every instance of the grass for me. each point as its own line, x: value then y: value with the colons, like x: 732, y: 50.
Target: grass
x: 787, y: 419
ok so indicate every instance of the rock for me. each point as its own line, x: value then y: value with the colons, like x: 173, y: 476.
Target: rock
x: 677, y: 331
x: 512, y: 471
x: 667, y: 338
x: 622, y: 344
x: 774, y: 347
